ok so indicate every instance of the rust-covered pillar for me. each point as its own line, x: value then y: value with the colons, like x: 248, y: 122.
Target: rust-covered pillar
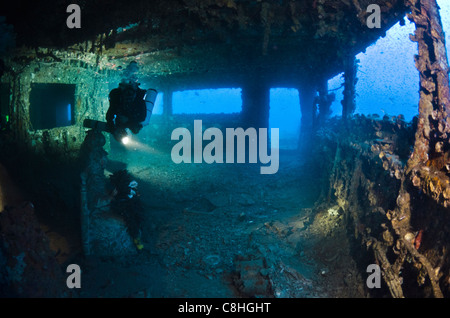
x: 323, y: 103
x: 433, y: 125
x: 255, y: 104
x: 427, y: 167
x: 167, y: 103
x: 307, y: 94
x: 348, y: 102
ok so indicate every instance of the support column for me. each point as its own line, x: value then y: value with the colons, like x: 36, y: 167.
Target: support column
x: 307, y: 94
x: 427, y: 167
x: 167, y: 103
x: 348, y: 102
x: 324, y: 102
x: 255, y: 105
x: 433, y: 128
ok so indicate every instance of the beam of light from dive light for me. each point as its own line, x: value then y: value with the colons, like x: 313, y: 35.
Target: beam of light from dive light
x: 125, y: 140
x: 133, y: 144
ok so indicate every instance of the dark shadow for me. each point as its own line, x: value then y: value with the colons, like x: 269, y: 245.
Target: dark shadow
x: 114, y: 165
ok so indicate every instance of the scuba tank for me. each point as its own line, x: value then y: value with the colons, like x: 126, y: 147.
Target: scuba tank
x: 149, y: 98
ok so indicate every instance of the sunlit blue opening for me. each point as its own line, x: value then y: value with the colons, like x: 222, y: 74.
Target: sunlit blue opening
x: 63, y: 115
x: 388, y: 81
x: 69, y: 112
x: 207, y: 101
x: 158, y: 108
x: 51, y: 105
x: 285, y: 114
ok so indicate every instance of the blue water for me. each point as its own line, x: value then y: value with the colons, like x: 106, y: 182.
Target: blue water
x: 285, y: 114
x: 158, y: 108
x: 388, y: 81
x: 207, y: 101
x: 387, y: 84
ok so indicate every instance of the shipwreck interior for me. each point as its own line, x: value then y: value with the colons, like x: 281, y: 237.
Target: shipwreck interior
x: 333, y: 175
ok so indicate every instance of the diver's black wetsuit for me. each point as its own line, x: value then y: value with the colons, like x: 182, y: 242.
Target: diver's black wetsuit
x: 127, y: 108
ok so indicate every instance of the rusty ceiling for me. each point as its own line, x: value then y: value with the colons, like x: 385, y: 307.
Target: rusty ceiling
x: 227, y: 37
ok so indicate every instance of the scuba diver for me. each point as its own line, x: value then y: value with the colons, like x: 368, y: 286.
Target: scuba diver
x: 127, y: 109
x: 130, y: 107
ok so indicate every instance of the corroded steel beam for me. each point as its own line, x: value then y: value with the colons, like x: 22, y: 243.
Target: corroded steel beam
x: 434, y: 123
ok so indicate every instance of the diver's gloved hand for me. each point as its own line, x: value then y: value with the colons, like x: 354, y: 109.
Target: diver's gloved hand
x: 119, y: 134
x: 136, y: 128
